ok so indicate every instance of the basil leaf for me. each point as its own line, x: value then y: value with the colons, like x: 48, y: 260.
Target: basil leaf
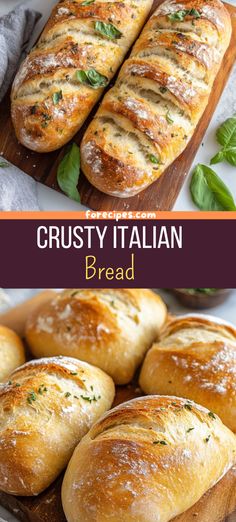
x: 217, y: 158
x: 209, y: 192
x: 68, y: 173
x: 226, y: 136
x: 228, y: 154
x: 88, y: 2
x: 108, y: 30
x: 56, y: 97
x: 226, y: 133
x: 4, y: 165
x: 92, y: 78
x: 179, y: 16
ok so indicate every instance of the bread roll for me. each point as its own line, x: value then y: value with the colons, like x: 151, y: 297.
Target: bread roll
x: 148, y: 460
x: 12, y: 352
x: 109, y: 328
x: 146, y: 120
x: 45, y: 409
x: 79, y: 51
x: 195, y: 358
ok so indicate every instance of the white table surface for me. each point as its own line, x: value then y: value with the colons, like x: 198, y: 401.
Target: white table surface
x: 226, y: 311
x: 50, y: 200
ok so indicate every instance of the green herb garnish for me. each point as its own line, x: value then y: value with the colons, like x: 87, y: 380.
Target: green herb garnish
x: 153, y: 159
x: 190, y: 429
x: 180, y: 15
x: 67, y: 394
x: 87, y: 2
x: 188, y: 406
x: 208, y: 191
x: 212, y: 415
x: 168, y: 118
x: 68, y: 173
x: 194, y: 291
x: 31, y: 397
x: 207, y: 438
x: 4, y: 165
x: 92, y: 78
x: 56, y: 97
x: 162, y: 442
x: 226, y: 136
x: 162, y: 89
x: 74, y: 373
x: 107, y: 30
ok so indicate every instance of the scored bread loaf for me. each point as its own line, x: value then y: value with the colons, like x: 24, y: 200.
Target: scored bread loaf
x: 12, y: 353
x: 146, y: 120
x: 47, y: 406
x: 111, y: 329
x: 147, y: 460
x: 79, y: 51
x: 195, y: 357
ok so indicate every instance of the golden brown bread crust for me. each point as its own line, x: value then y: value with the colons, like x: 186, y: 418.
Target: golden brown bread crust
x: 146, y: 120
x: 195, y: 358
x: 147, y: 460
x: 49, y: 104
x: 47, y: 406
x: 12, y: 353
x: 111, y: 329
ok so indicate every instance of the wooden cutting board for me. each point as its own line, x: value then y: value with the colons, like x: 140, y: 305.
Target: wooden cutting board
x: 217, y: 505
x: 161, y: 195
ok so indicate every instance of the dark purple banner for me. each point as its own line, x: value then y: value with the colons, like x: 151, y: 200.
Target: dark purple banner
x: 126, y: 253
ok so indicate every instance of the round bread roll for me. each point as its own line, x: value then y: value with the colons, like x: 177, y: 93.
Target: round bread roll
x: 45, y: 409
x: 12, y: 352
x: 148, y: 460
x: 111, y: 329
x: 195, y: 358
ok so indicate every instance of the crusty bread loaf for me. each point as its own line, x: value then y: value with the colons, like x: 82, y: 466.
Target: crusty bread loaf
x: 195, y: 358
x: 112, y: 329
x: 12, y: 352
x: 63, y: 77
x: 45, y: 409
x: 146, y: 120
x: 147, y: 460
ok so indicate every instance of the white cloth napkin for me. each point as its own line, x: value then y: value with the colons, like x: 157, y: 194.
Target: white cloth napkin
x: 15, y: 31
x: 17, y: 190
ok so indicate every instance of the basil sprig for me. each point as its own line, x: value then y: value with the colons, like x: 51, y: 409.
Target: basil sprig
x: 92, y: 78
x: 226, y: 136
x: 68, y: 173
x: 179, y: 16
x: 107, y: 30
x: 209, y: 192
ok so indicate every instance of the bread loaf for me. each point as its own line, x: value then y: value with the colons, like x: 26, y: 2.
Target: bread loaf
x: 195, y: 358
x: 146, y: 120
x: 45, y: 409
x: 147, y: 460
x: 111, y: 329
x: 79, y: 51
x: 12, y: 352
